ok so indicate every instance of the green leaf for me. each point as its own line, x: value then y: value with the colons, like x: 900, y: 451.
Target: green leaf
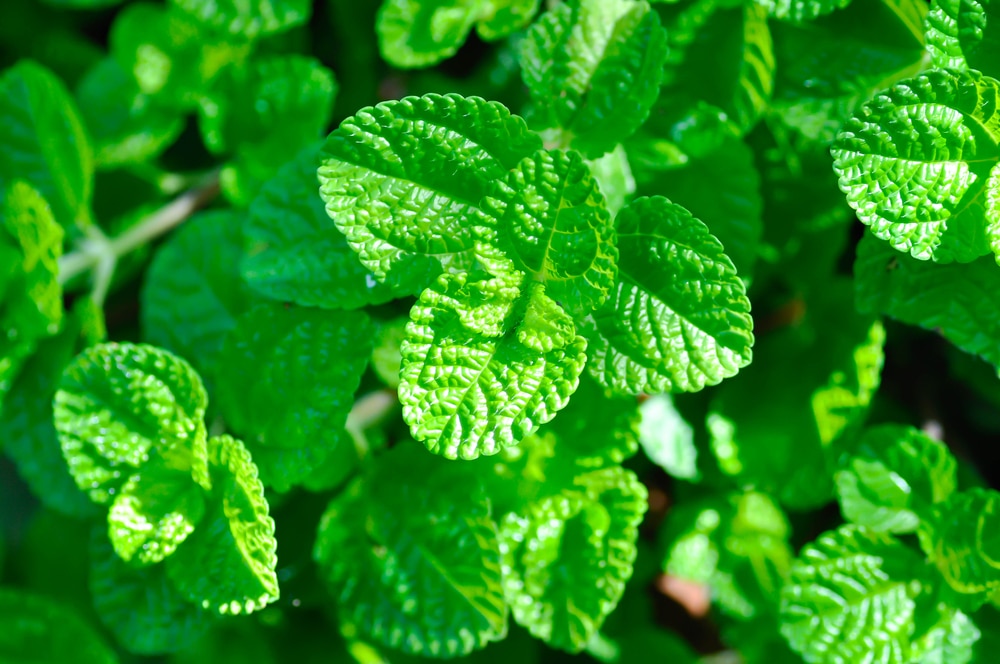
x: 949, y: 641
x: 679, y: 318
x: 153, y: 513
x: 295, y: 252
x: 36, y: 629
x: 262, y: 115
x: 387, y: 358
x: 914, y: 164
x: 964, y: 34
x: 192, y: 293
x: 800, y: 11
x: 567, y: 556
x: 614, y: 176
x: 550, y: 220
x: 228, y: 564
x: 413, y: 556
x: 403, y: 179
x: 125, y: 125
x: 420, y: 33
x: 893, y: 477
x: 955, y: 300
x: 667, y: 439
x: 850, y: 598
x: 593, y: 68
x: 45, y: 142
x: 466, y: 387
x: 959, y: 538
x: 117, y: 404
x: 139, y: 605
x: 250, y: 19
x: 287, y: 382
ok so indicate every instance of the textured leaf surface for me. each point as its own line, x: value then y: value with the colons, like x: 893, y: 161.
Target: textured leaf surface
x: 964, y: 34
x: 249, y: 18
x: 593, y: 68
x: 949, y: 641
x: 412, y: 554
x: 192, y: 293
x: 467, y: 388
x: 403, y: 179
x: 295, y: 252
x: 850, y: 599
x: 287, y: 384
x: 228, y: 564
x: 139, y: 605
x: 420, y: 33
x: 679, y: 318
x: 960, y: 538
x: 36, y: 629
x: 895, y: 475
x: 567, y: 556
x: 914, y: 163
x: 117, y: 403
x: 550, y: 220
x: 44, y: 141
x: 801, y: 10
x: 956, y: 300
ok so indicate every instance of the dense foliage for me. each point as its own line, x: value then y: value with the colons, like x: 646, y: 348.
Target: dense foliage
x: 499, y: 329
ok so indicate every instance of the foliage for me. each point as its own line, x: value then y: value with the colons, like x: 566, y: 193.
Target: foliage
x: 499, y: 330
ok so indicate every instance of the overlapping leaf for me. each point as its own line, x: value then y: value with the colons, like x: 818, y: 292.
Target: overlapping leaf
x: 914, y: 163
x: 253, y: 18
x: 593, y: 68
x: 801, y: 10
x: 37, y: 629
x: 402, y: 180
x: 960, y: 539
x: 667, y: 439
x: 964, y: 34
x: 678, y: 318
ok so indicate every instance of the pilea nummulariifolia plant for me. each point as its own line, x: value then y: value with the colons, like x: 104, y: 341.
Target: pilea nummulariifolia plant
x: 564, y: 343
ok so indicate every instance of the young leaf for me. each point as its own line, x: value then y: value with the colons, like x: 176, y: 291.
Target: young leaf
x: 964, y: 34
x: 549, y: 220
x: 466, y: 387
x: 119, y: 403
x: 250, y: 19
x: 192, y: 293
x: 567, y: 556
x: 139, y: 605
x: 287, y: 383
x: 294, y: 251
x: 593, y: 68
x: 850, y: 598
x: 412, y: 554
x: 678, y: 318
x: 667, y: 439
x: 420, y: 33
x: 45, y: 142
x: 402, y: 180
x: 914, y: 164
x: 228, y: 564
x: 895, y: 475
x: 36, y: 629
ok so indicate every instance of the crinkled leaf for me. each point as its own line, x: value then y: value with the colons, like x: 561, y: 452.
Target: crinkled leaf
x: 139, y: 605
x: 679, y: 317
x: 598, y: 427
x: 959, y: 301
x: 949, y: 641
x: 248, y: 18
x: 466, y: 387
x: 192, y: 293
x: 964, y: 34
x: 228, y: 564
x: 593, y: 68
x: 420, y: 33
x: 567, y: 556
x: 914, y: 163
x: 37, y: 629
x: 287, y: 382
x: 413, y: 557
x: 550, y: 220
x: 125, y: 125
x: 45, y: 142
x: 295, y: 252
x: 403, y: 179
x: 895, y: 475
x: 801, y: 10
x: 850, y: 598
x: 667, y: 439
x: 960, y: 539
x: 117, y: 403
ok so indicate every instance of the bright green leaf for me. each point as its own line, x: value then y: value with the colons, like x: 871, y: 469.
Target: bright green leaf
x: 800, y: 11
x: 386, y: 356
x: 667, y: 439
x: 614, y: 176
x: 949, y: 641
x: 37, y: 629
x: 964, y: 34
x: 248, y: 18
x: 679, y: 318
